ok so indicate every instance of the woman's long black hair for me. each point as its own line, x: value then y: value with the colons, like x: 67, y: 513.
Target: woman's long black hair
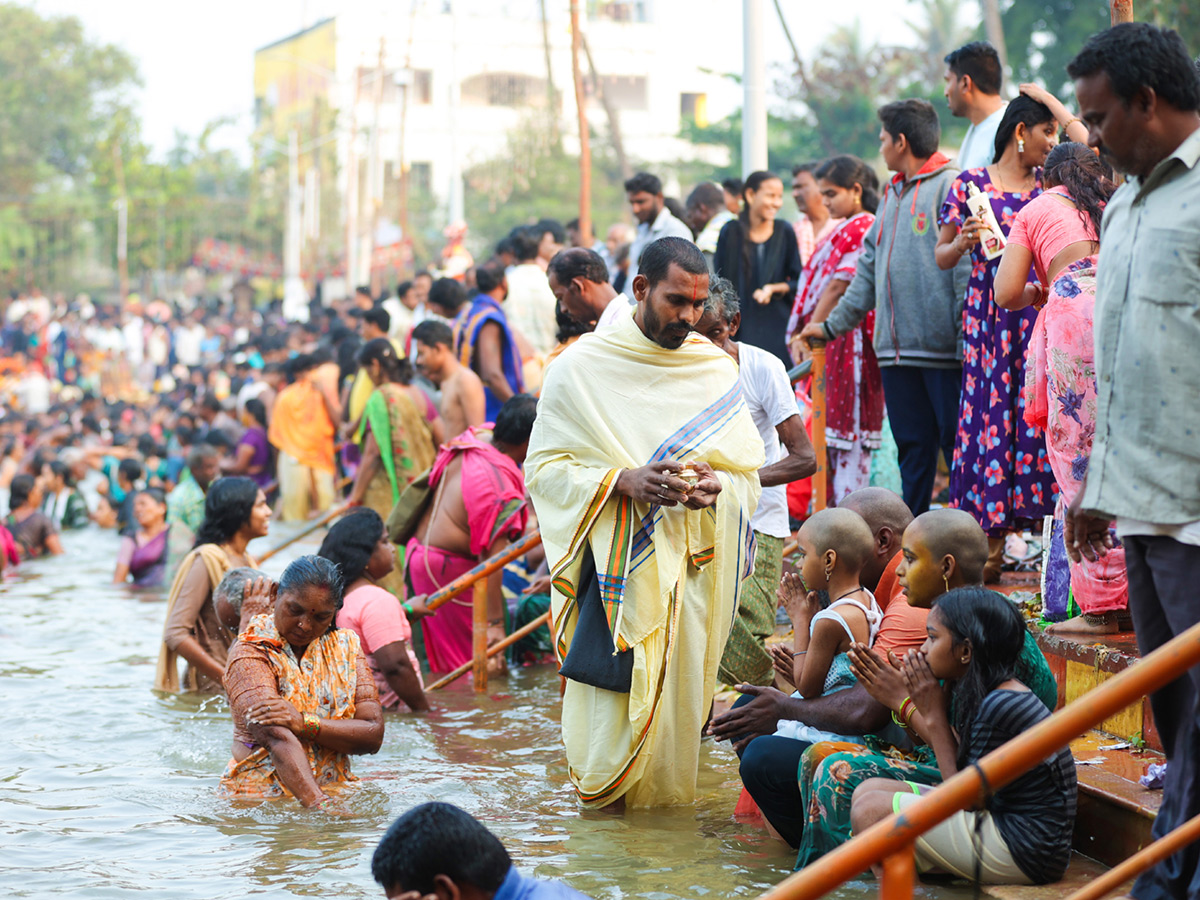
x: 846, y: 171
x: 990, y: 624
x: 396, y: 368
x: 351, y: 541
x: 227, y: 507
x: 1021, y: 111
x: 316, y: 572
x: 1086, y: 177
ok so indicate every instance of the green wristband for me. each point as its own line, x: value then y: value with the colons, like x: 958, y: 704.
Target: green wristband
x: 407, y: 606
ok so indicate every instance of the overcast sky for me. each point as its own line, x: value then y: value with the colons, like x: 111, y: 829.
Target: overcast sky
x: 197, y: 60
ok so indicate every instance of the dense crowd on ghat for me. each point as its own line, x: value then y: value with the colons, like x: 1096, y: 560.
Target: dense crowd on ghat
x: 1022, y: 314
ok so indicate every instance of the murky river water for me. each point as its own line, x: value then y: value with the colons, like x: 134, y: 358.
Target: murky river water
x: 108, y: 790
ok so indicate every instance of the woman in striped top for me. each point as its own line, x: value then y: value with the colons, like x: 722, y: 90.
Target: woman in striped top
x: 1021, y: 833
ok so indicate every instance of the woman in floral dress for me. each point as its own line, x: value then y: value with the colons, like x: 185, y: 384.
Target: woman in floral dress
x: 1000, y: 473
x: 854, y: 417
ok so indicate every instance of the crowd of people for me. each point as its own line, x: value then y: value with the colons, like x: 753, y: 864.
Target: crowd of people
x: 1009, y: 314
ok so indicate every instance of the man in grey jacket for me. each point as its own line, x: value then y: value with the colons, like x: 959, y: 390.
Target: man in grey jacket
x: 918, y: 318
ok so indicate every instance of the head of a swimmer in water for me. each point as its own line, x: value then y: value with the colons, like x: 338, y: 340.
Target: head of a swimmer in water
x: 942, y: 549
x: 437, y: 849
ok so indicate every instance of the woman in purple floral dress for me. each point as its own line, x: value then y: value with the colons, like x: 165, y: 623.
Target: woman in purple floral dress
x: 1000, y: 473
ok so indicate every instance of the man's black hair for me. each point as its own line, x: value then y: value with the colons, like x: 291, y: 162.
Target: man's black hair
x: 431, y: 332
x: 402, y: 289
x: 915, y: 119
x: 379, y: 317
x: 706, y: 194
x: 810, y: 167
x: 658, y: 256
x: 578, y: 262
x: 439, y: 839
x: 448, y: 294
x: 131, y: 469
x: 524, y: 245
x: 733, y: 185
x: 1135, y: 55
x: 552, y: 227
x: 514, y: 422
x: 505, y: 245
x: 644, y: 181
x: 980, y: 61
x: 489, y: 275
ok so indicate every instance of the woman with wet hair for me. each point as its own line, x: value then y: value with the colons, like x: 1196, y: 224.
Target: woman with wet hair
x: 302, y: 695
x: 359, y: 544
x: 235, y: 513
x: 34, y: 533
x: 143, y: 552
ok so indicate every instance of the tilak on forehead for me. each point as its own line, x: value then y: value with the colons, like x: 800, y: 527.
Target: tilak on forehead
x: 695, y: 287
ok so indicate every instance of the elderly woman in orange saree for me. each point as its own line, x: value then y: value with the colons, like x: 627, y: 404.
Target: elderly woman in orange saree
x: 303, y: 697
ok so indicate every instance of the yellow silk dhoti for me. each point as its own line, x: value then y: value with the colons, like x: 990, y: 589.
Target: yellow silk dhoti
x: 669, y: 577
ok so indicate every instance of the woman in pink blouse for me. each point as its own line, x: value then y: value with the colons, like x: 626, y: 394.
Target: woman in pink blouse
x: 1058, y: 235
x: 359, y: 544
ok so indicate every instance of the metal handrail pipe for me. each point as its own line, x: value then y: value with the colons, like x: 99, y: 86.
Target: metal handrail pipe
x: 484, y: 569
x: 1168, y: 844
x: 1000, y: 767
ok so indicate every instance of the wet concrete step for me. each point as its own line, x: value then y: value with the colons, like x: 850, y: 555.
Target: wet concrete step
x: 1081, y: 871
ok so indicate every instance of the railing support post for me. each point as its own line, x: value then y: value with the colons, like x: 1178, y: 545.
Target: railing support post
x: 821, y: 476
x: 899, y: 875
x: 480, y: 598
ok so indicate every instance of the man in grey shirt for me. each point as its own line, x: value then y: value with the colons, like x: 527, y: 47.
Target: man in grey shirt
x: 1138, y: 94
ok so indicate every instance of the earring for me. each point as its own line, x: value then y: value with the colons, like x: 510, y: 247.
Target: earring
x: 965, y: 660
x: 946, y: 581
x: 1020, y: 146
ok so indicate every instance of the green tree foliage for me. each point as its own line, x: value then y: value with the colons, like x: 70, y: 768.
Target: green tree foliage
x: 535, y: 178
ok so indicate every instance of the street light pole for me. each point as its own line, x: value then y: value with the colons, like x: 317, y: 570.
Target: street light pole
x: 295, y: 298
x: 754, y: 86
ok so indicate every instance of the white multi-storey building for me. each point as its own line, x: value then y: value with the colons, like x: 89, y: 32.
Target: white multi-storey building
x: 458, y: 76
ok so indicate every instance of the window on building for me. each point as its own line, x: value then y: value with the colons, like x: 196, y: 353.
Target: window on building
x: 694, y: 108
x: 422, y: 86
x: 504, y: 89
x: 618, y: 10
x: 622, y: 91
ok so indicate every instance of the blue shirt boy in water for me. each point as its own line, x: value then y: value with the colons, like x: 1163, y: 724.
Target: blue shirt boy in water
x: 436, y: 851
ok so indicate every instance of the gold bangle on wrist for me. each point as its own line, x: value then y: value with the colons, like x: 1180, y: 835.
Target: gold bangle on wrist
x: 1071, y: 122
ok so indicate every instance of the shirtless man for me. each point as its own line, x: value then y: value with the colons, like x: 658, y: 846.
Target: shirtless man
x: 478, y: 508
x: 463, y: 403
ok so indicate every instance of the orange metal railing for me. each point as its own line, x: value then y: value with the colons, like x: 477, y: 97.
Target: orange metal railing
x: 1166, y: 845
x: 816, y: 367
x: 890, y: 842
x: 477, y: 579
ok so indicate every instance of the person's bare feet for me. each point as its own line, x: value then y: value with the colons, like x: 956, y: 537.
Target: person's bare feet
x: 1102, y: 624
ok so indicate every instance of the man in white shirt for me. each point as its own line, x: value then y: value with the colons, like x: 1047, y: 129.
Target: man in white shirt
x: 578, y: 279
x: 707, y: 214
x: 530, y: 304
x: 790, y: 457
x: 973, y: 77
x: 645, y: 194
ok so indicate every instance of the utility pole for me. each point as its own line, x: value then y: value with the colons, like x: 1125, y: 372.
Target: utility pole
x: 1120, y: 11
x: 754, y: 84
x: 122, y: 207
x: 456, y: 206
x: 994, y: 29
x: 585, y: 146
x: 352, y: 191
x: 375, y: 175
x: 295, y: 298
x: 614, y: 123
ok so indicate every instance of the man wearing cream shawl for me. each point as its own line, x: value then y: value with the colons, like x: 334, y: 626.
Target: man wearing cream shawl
x: 655, y: 558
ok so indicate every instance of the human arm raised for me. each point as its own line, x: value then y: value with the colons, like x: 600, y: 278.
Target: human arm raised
x: 1073, y: 125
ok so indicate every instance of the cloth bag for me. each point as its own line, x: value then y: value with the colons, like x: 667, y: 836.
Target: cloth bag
x: 592, y: 658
